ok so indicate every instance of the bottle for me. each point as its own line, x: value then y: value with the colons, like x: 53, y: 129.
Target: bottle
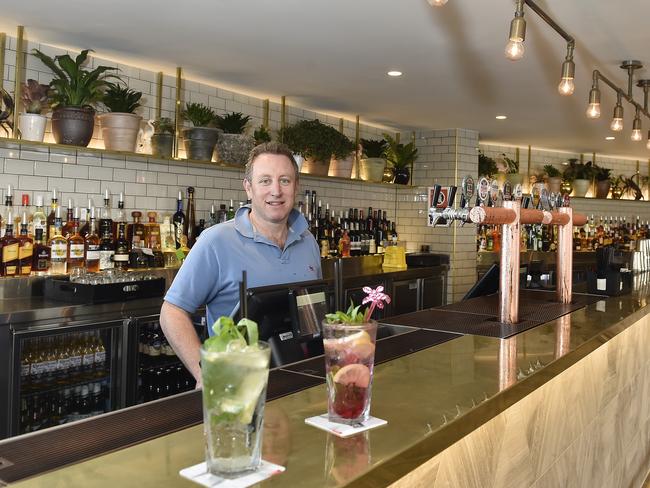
x: 190, y: 226
x: 39, y: 219
x: 212, y: 219
x: 344, y: 245
x: 54, y: 204
x: 222, y: 214
x: 91, y: 245
x: 121, y: 256
x: 100, y: 356
x: 25, y: 249
x: 63, y: 361
x: 75, y: 357
x: 7, y: 211
x: 76, y: 253
x: 179, y: 221
x: 41, y: 261
x: 24, y: 209
x: 152, y: 232
x: 230, y: 214
x: 106, y: 250
x: 200, y: 228
x: 58, y: 247
x: 84, y: 224
x: 120, y: 217
x: 87, y: 357
x: 69, y: 220
x: 168, y: 243
x: 9, y: 247
x: 106, y: 220
x: 135, y: 231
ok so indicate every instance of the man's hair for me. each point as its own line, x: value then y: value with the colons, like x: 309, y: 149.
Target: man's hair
x: 272, y: 147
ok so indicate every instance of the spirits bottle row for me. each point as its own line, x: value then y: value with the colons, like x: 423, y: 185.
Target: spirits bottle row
x: 163, y: 381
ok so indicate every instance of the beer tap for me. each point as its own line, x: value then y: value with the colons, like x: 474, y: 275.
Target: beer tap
x: 444, y: 213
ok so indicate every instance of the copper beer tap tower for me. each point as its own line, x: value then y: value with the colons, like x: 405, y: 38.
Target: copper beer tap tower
x: 554, y: 210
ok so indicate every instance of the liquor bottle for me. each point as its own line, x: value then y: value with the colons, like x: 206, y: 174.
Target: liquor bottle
x: 74, y: 357
x: 121, y: 256
x: 91, y: 245
x: 39, y: 219
x: 10, y: 249
x: 7, y: 211
x: 41, y: 261
x: 84, y: 226
x: 200, y: 228
x: 76, y: 245
x: 100, y: 356
x: 63, y: 361
x: 24, y: 209
x: 152, y: 232
x: 88, y: 355
x: 230, y: 214
x: 222, y: 214
x: 25, y: 249
x: 179, y: 221
x: 344, y: 245
x: 212, y: 219
x: 106, y: 250
x: 120, y: 216
x: 135, y: 231
x: 69, y: 220
x: 58, y: 247
x: 54, y: 204
x: 106, y: 219
x: 190, y: 226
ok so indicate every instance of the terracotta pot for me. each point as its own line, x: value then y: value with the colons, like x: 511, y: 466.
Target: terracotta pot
x: 32, y: 127
x: 554, y: 184
x: 73, y: 125
x: 372, y: 169
x: 162, y: 145
x: 602, y: 188
x: 402, y: 176
x: 580, y: 187
x: 234, y: 148
x: 341, y: 167
x: 120, y: 130
x: 199, y: 142
x: 315, y: 167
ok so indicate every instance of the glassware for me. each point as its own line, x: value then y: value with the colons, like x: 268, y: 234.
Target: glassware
x: 349, y: 362
x: 234, y: 393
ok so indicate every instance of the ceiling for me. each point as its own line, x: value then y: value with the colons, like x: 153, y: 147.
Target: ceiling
x: 333, y: 56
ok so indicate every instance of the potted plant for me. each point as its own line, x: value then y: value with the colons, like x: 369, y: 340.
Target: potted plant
x: 31, y: 122
x: 618, y: 186
x: 162, y: 140
x: 373, y: 162
x: 580, y: 175
x: 73, y: 91
x: 317, y: 143
x: 233, y: 145
x: 201, y: 139
x: 486, y: 165
x: 509, y: 170
x: 553, y: 178
x: 6, y: 110
x: 400, y: 157
x: 603, y: 183
x: 261, y: 135
x: 120, y: 125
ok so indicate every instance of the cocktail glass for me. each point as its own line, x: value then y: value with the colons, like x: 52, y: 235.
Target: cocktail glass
x: 234, y: 393
x: 349, y: 361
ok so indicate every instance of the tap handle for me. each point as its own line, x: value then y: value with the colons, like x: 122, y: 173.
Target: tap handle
x: 436, y: 196
x: 452, y: 196
x: 525, y: 201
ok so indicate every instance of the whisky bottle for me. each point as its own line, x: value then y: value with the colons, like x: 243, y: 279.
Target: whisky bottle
x: 152, y: 232
x: 58, y: 247
x: 52, y: 215
x: 84, y: 224
x: 41, y: 256
x: 7, y: 211
x: 69, y: 220
x: 76, y: 245
x: 39, y: 219
x: 25, y: 248
x: 106, y: 220
x: 190, y: 230
x: 91, y: 244
x: 106, y: 250
x: 10, y: 249
x: 120, y: 217
x: 121, y: 256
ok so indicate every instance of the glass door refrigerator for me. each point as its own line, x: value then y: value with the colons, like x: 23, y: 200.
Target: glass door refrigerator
x: 60, y: 373
x: 154, y: 371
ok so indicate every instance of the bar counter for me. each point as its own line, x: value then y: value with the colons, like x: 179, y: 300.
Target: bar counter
x: 566, y: 403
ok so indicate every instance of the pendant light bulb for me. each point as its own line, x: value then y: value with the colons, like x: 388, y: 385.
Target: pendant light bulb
x: 636, y: 128
x: 636, y: 135
x: 514, y: 50
x: 515, y: 47
x: 617, y: 119
x: 566, y: 87
x: 593, y: 109
x: 437, y: 3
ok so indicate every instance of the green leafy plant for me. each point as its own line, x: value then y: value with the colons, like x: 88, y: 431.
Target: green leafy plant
x: 510, y: 165
x: 601, y: 174
x: 578, y: 171
x: 551, y: 171
x: 228, y: 335
x: 486, y: 165
x: 374, y: 148
x: 200, y: 115
x: 353, y: 315
x: 261, y: 135
x: 121, y: 99
x: 313, y: 139
x: 34, y: 96
x: 6, y: 110
x: 73, y: 85
x: 233, y: 123
x: 398, y: 154
x: 163, y: 125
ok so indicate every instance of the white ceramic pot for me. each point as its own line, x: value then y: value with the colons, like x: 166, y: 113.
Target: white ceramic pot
x: 32, y: 126
x: 341, y: 167
x: 581, y: 187
x: 372, y: 169
x: 120, y: 130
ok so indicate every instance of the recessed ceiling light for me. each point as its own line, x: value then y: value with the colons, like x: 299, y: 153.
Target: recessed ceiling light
x: 610, y: 138
x: 394, y: 73
x: 501, y: 117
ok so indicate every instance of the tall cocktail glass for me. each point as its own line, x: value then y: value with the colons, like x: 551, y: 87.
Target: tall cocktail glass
x: 349, y: 362
x: 234, y: 392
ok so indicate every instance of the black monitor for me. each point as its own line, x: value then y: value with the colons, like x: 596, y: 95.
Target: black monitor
x: 488, y: 284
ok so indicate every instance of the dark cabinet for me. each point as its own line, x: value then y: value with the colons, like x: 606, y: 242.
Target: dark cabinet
x: 405, y: 296
x: 434, y: 291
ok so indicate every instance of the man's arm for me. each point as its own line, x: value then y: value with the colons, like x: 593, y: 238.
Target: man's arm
x: 177, y: 325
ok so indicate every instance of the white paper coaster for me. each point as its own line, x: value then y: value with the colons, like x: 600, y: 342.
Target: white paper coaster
x: 199, y: 474
x: 344, y: 430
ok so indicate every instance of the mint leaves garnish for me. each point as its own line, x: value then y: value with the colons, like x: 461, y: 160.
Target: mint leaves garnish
x: 229, y: 336
x: 351, y: 316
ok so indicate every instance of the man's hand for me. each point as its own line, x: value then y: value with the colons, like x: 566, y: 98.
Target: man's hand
x: 177, y: 325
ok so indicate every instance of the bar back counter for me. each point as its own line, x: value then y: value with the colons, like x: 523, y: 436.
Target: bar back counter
x: 564, y: 401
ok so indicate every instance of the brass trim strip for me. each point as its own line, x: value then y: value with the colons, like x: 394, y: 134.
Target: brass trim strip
x: 3, y: 45
x: 265, y: 119
x: 18, y: 87
x: 159, y: 84
x: 398, y: 136
x: 178, y: 122
x: 341, y: 123
x: 530, y: 152
x: 357, y: 141
x: 283, y: 114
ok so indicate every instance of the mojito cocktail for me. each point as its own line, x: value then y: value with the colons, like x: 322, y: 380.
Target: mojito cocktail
x: 349, y: 361
x: 234, y: 392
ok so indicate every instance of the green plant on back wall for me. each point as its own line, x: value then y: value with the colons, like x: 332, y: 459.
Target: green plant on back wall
x: 163, y: 125
x: 602, y: 174
x: 261, y: 135
x: 486, y: 165
x: 73, y: 85
x: 374, y: 148
x: 35, y: 96
x: 313, y: 139
x: 233, y: 123
x: 121, y: 99
x: 551, y: 171
x: 578, y: 171
x: 200, y: 115
x: 400, y: 155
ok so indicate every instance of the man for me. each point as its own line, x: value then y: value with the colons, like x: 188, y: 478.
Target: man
x: 268, y: 238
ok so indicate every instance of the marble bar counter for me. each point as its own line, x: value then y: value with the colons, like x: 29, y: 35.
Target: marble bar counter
x: 565, y: 403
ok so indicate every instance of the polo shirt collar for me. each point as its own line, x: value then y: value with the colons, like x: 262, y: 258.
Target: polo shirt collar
x: 296, y: 221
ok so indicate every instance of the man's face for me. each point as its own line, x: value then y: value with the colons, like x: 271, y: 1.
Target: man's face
x: 272, y: 189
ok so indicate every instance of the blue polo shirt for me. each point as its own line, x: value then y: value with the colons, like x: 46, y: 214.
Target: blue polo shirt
x: 212, y: 271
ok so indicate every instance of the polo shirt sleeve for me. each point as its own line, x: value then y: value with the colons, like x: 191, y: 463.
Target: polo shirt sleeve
x: 196, y: 282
